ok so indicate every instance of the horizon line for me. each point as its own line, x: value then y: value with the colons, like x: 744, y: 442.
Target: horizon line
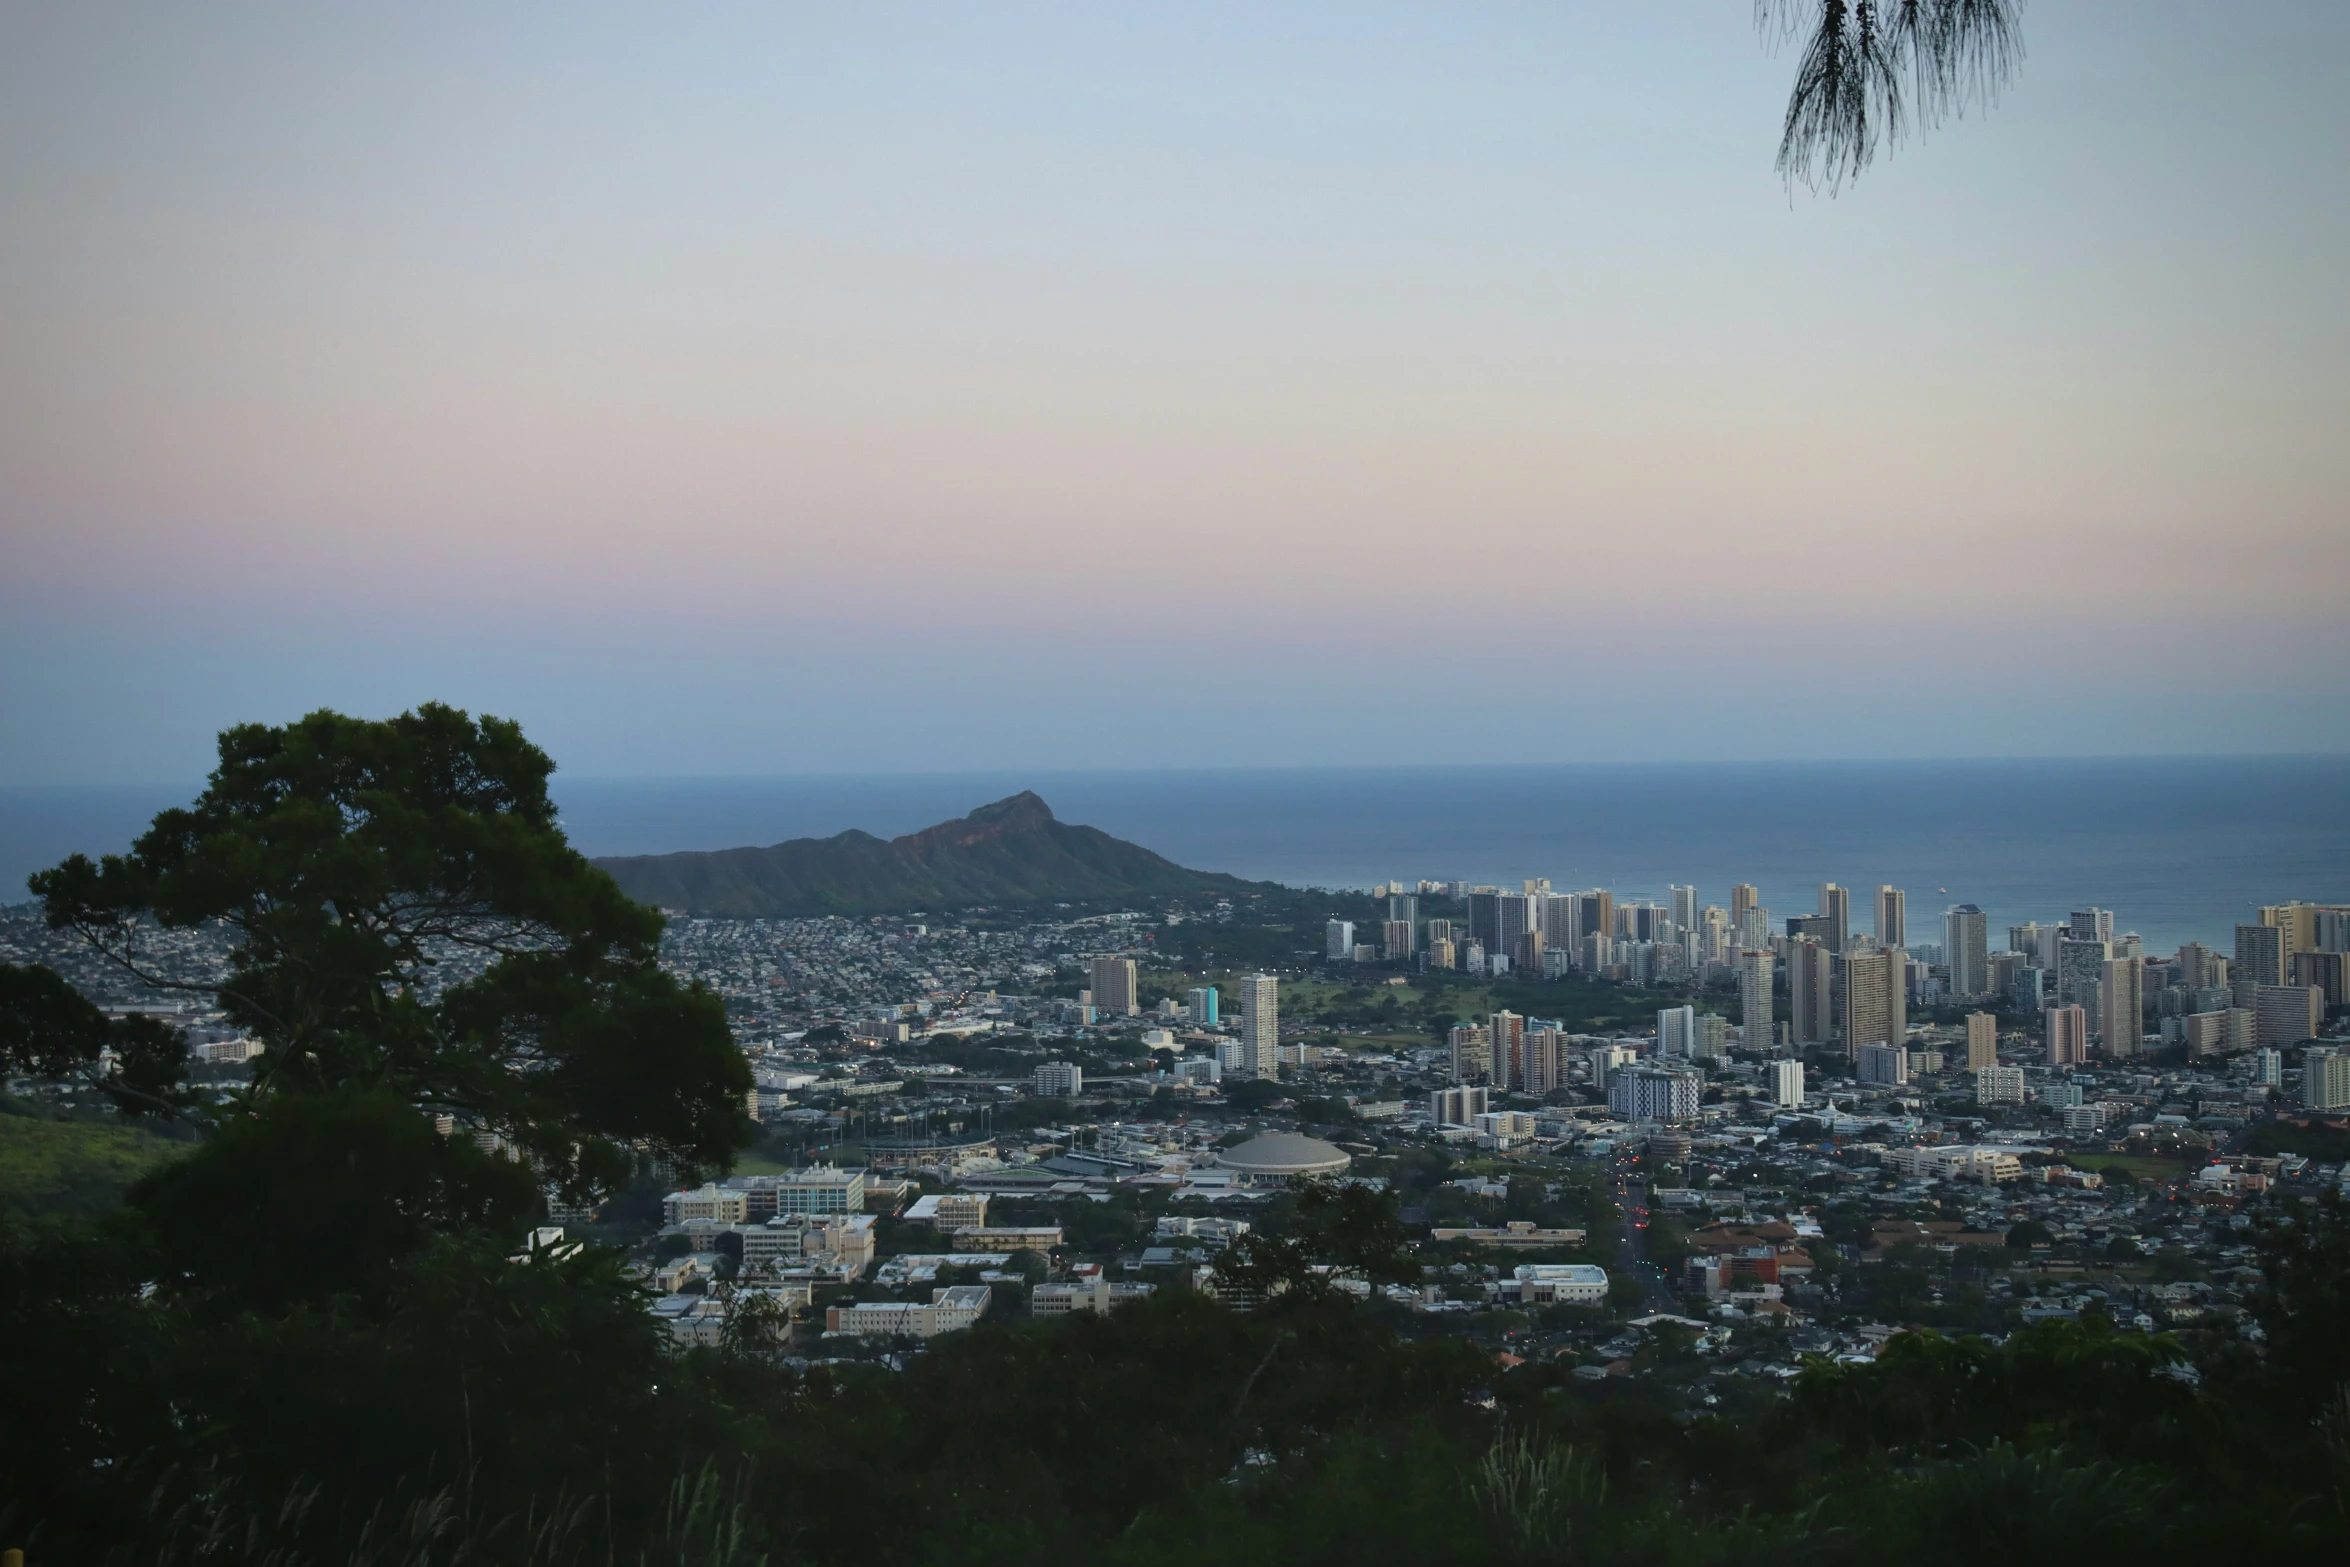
x: 1205, y: 769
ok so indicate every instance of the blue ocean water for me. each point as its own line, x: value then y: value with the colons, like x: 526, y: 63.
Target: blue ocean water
x: 2180, y: 848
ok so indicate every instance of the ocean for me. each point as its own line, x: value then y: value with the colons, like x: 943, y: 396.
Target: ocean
x: 2179, y: 848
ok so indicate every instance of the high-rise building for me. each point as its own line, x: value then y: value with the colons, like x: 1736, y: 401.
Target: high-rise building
x: 1507, y: 1030
x: 1471, y: 1051
x: 1650, y: 1094
x: 1743, y: 898
x: 1892, y: 917
x: 2030, y: 989
x: 1338, y: 940
x: 1114, y: 988
x: 1459, y: 1106
x: 2067, y: 1032
x: 1607, y: 1060
x: 2080, y: 974
x: 2200, y: 968
x: 2331, y: 927
x: 1753, y: 929
x: 2025, y: 938
x: 1545, y: 1061
x: 1982, y: 1041
x: 2325, y: 1079
x: 1684, y: 905
x: 1515, y: 915
x: 1201, y: 1003
x: 1260, y: 1026
x: 2260, y: 960
x: 1999, y: 971
x: 1713, y: 1036
x: 1713, y: 934
x: 1595, y: 915
x: 2288, y: 1014
x: 1811, y: 992
x: 1676, y: 1032
x: 1403, y: 906
x: 1754, y: 997
x: 1787, y: 1084
x: 2204, y: 1033
x: 1440, y: 955
x: 1485, y: 919
x: 1836, y: 904
x: 1882, y: 1064
x: 1810, y: 927
x: 1440, y: 930
x: 1556, y: 915
x: 1396, y: 940
x: 2296, y: 927
x: 2092, y: 924
x: 1876, y: 1005
x: 2121, y: 1005
x: 1527, y: 957
x: 1966, y: 930
x: 1059, y: 1080
x: 2328, y: 971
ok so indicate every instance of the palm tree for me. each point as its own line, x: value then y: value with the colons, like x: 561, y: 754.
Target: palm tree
x: 1874, y: 70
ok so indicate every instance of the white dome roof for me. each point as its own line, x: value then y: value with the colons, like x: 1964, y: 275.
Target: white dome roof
x: 1285, y: 1153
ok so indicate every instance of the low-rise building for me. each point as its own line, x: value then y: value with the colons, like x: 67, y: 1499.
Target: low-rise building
x: 950, y: 1212
x: 1999, y: 1085
x: 723, y: 1204
x: 1033, y: 1237
x: 949, y: 1310
x: 841, y: 1244
x: 1558, y: 1283
x: 1516, y: 1233
x: 1956, y: 1162
x: 1097, y: 1294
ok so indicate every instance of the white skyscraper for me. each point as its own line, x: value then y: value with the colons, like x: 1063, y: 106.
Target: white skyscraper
x: 1339, y: 940
x: 1260, y: 1026
x: 1684, y: 902
x: 1787, y: 1084
x: 1892, y: 917
x: 1676, y: 1032
x: 1966, y: 932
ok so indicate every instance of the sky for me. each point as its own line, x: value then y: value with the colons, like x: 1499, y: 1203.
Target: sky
x: 773, y: 389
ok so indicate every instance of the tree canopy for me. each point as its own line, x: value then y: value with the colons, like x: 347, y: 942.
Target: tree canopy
x: 408, y: 919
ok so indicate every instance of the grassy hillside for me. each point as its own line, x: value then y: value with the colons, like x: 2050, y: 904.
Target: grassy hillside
x: 50, y: 1169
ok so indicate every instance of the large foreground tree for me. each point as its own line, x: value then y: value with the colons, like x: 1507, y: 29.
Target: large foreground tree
x: 409, y: 921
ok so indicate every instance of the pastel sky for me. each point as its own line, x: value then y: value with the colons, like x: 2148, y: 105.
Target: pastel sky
x: 775, y: 388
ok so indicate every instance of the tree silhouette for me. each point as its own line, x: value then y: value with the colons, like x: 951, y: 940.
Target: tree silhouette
x: 1872, y: 71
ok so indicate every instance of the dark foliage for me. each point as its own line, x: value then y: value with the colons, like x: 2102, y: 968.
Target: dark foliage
x: 354, y: 861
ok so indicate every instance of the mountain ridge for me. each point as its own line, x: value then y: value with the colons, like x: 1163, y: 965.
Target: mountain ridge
x: 1010, y: 851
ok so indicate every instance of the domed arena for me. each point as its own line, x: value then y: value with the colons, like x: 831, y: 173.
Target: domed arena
x: 1278, y: 1159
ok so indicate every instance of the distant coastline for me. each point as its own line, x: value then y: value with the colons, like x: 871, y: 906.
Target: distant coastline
x: 2179, y: 847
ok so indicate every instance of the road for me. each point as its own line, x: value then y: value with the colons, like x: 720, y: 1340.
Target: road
x: 1631, y: 1196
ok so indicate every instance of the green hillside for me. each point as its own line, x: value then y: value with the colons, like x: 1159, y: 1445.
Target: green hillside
x: 1011, y: 852
x: 51, y: 1169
